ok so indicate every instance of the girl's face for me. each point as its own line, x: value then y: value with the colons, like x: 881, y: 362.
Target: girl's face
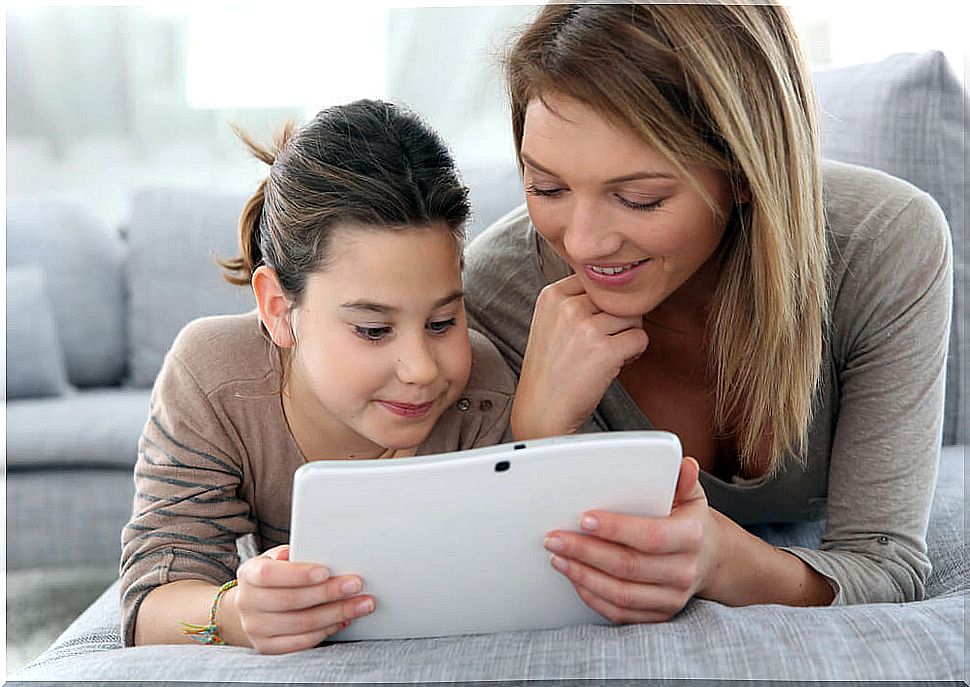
x: 615, y: 209
x: 381, y: 340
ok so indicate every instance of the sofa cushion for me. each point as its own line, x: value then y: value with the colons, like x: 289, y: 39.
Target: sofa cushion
x: 35, y: 361
x: 82, y: 260
x: 88, y: 428
x: 907, y: 115
x: 922, y: 640
x: 175, y: 237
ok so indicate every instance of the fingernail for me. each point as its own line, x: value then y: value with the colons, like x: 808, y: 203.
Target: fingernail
x: 364, y: 607
x: 554, y: 544
x: 318, y: 575
x: 589, y: 523
x: 350, y: 586
x: 560, y: 564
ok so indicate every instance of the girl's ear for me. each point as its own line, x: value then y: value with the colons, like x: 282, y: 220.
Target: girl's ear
x: 273, y: 305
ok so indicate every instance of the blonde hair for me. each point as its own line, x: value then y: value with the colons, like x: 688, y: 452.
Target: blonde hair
x: 723, y: 87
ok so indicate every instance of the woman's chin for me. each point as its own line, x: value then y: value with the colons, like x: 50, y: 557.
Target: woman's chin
x: 631, y: 304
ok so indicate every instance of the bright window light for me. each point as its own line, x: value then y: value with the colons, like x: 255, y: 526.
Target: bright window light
x: 311, y: 55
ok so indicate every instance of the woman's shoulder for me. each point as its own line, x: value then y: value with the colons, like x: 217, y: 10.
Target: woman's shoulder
x: 490, y: 373
x: 865, y: 203
x: 222, y: 348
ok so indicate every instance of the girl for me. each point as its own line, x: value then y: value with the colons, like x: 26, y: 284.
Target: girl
x: 358, y: 349
x: 687, y: 263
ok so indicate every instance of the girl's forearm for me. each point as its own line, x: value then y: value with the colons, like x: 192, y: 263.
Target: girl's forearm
x: 161, y: 614
x: 752, y: 571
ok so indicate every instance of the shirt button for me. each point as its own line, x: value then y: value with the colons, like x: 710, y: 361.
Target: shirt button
x: 485, y: 405
x: 883, y: 540
x: 464, y: 404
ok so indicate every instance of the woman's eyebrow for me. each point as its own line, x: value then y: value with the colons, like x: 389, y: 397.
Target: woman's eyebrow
x: 615, y: 180
x: 383, y: 309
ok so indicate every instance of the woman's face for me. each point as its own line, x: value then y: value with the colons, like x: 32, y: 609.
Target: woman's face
x: 382, y: 345
x: 617, y: 211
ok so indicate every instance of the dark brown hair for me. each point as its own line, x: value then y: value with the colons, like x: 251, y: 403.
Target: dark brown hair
x: 365, y: 164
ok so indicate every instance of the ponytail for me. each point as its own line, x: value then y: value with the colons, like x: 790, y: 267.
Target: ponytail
x: 239, y: 270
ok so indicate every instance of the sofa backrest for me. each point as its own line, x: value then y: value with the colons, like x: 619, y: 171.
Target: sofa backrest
x: 175, y: 237
x: 82, y: 262
x: 908, y: 115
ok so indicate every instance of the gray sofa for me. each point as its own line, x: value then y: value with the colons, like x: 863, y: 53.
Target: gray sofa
x: 106, y: 305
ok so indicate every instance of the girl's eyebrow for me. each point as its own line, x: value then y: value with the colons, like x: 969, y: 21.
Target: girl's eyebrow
x: 616, y: 180
x: 382, y: 309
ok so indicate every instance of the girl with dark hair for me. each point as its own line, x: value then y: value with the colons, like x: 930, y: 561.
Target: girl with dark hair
x: 358, y: 349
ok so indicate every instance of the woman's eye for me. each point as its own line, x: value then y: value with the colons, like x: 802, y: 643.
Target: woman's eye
x: 633, y: 205
x: 373, y: 334
x: 534, y: 190
x: 441, y: 326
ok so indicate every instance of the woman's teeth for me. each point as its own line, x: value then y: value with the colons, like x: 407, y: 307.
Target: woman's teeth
x: 615, y: 270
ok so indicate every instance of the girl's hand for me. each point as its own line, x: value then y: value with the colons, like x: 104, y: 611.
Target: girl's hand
x: 633, y: 569
x: 285, y: 606
x: 574, y: 351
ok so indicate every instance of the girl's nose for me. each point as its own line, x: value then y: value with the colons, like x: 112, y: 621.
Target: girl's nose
x: 416, y: 363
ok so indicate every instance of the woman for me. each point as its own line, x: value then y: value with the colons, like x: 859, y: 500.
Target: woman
x: 689, y: 264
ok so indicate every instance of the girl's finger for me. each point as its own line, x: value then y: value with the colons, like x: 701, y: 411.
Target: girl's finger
x: 283, y: 644
x: 264, y: 571
x: 281, y: 599
x: 310, y: 620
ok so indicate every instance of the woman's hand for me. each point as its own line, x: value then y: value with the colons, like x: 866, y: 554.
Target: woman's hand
x: 574, y: 351
x: 633, y: 569
x: 285, y: 606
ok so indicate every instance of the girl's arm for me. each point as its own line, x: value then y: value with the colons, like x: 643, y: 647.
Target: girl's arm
x: 277, y: 607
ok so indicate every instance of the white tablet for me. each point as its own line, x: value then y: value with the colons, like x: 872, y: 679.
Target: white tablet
x: 452, y: 543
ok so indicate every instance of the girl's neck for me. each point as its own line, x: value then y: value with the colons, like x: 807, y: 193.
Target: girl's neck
x: 320, y: 437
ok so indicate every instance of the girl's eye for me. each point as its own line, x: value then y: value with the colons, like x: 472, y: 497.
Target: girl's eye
x: 534, y: 190
x: 652, y: 205
x: 441, y: 326
x: 373, y: 334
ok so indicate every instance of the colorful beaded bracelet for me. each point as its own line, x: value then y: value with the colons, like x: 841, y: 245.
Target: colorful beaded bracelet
x: 209, y: 634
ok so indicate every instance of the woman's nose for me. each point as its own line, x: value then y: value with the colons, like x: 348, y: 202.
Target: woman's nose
x: 586, y: 237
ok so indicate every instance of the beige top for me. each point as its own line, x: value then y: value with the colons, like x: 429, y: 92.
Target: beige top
x: 875, y: 441
x: 216, y: 458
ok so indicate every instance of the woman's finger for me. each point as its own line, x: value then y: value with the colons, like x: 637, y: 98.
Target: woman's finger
x: 616, y: 614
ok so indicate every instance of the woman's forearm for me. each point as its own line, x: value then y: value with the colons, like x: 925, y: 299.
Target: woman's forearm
x: 751, y: 571
x: 161, y: 614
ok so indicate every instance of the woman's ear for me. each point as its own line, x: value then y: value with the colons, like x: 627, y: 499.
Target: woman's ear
x: 274, y: 306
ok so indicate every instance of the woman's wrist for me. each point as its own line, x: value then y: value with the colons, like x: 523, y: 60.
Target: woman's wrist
x: 747, y: 570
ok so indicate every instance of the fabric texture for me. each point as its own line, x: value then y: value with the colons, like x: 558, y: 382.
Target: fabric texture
x: 175, y: 237
x: 908, y: 115
x: 35, y: 361
x: 915, y: 641
x: 95, y: 428
x: 875, y: 439
x: 66, y: 518
x: 216, y: 459
x: 81, y: 259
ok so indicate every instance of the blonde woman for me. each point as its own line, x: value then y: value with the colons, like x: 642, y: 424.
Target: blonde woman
x: 685, y: 262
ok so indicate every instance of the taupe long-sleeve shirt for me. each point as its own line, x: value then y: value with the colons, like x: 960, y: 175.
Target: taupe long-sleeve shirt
x: 875, y: 441
x: 216, y: 458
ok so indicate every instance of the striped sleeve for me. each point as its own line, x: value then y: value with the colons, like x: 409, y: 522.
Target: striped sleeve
x: 187, y: 512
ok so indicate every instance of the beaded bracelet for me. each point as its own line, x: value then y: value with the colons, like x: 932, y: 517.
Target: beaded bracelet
x: 209, y: 634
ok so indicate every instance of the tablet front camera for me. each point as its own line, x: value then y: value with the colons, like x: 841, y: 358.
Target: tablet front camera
x: 502, y: 466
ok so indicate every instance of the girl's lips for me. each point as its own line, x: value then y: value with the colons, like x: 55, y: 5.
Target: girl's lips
x: 408, y: 409
x: 619, y: 279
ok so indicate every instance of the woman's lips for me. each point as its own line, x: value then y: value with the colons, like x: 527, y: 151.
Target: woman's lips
x: 409, y: 410
x: 617, y: 274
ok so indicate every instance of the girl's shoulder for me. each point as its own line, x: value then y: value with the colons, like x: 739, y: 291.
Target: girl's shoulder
x: 222, y: 348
